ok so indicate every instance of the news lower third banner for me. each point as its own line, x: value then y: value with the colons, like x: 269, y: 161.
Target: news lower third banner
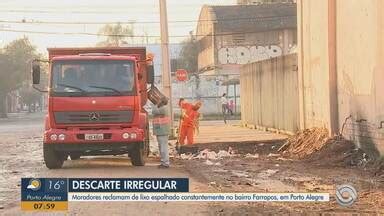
x: 53, y: 194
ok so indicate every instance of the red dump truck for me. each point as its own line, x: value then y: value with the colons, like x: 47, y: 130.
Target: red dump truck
x: 95, y: 103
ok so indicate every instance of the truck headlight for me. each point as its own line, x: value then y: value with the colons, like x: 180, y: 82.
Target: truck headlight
x: 125, y: 135
x: 53, y: 137
x: 62, y: 137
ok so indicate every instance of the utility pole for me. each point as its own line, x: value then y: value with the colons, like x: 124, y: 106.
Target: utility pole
x: 166, y: 66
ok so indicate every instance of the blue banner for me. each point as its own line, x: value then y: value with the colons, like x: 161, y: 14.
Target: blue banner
x: 44, y: 189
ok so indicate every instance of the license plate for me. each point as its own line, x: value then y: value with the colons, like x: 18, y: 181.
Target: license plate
x: 94, y: 136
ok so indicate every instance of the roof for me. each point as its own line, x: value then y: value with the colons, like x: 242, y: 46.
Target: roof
x: 254, y: 18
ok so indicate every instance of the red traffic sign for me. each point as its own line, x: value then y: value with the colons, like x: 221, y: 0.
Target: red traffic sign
x: 181, y: 75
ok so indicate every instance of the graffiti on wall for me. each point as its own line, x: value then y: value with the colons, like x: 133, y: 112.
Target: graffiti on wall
x: 244, y: 54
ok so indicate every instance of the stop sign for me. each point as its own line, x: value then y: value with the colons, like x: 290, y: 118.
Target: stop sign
x: 181, y: 75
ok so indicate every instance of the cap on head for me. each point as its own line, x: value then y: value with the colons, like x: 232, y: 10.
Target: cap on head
x: 181, y: 100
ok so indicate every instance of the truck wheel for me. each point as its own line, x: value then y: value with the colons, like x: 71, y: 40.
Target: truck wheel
x: 52, y: 158
x: 75, y: 155
x: 138, y: 155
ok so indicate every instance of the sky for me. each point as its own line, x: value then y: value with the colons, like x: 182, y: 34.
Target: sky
x: 144, y: 14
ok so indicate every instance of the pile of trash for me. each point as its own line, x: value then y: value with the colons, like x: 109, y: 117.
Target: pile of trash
x: 210, y: 157
x: 305, y: 142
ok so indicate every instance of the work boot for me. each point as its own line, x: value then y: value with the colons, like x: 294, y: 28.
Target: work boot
x: 162, y: 166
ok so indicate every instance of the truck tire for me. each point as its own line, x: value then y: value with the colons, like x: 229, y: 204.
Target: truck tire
x: 52, y: 158
x: 138, y: 155
x: 75, y: 155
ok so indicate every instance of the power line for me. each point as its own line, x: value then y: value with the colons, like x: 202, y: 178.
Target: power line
x: 80, y: 11
x: 122, y: 35
x: 100, y: 7
x: 144, y: 22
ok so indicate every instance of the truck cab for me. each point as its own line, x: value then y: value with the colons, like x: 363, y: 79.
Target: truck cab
x: 95, y: 104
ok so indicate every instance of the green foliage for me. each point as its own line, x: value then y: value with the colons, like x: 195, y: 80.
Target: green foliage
x: 29, y: 95
x: 15, y: 64
x: 116, y: 34
x: 15, y: 67
x: 189, y: 55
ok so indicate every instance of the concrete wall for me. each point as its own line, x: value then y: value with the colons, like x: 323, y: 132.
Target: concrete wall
x: 341, y: 52
x: 269, y: 94
x: 360, y: 70
x: 314, y: 63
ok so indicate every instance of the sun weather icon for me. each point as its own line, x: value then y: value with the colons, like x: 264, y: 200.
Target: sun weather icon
x: 34, y: 184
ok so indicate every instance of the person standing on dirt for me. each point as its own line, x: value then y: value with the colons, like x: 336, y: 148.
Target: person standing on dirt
x: 161, y: 128
x: 224, y: 106
x: 189, y: 122
x: 231, y: 106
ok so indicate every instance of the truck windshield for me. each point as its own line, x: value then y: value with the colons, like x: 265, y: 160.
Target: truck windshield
x: 93, y: 78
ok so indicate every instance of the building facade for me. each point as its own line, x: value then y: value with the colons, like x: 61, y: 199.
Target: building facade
x: 341, y: 69
x: 248, y: 2
x: 233, y: 35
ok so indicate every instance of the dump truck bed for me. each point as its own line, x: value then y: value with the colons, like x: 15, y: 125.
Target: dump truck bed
x: 139, y: 52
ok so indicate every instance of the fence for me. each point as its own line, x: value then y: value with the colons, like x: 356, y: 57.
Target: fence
x: 269, y: 93
x: 206, y: 88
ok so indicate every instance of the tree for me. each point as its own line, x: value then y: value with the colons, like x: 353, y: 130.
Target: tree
x: 15, y: 62
x: 4, y: 87
x: 29, y: 96
x: 189, y: 55
x: 116, y: 34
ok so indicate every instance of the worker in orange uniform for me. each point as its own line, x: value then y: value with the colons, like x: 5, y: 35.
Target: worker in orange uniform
x: 189, y: 121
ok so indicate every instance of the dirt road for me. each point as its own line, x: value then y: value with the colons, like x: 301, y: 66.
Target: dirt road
x: 262, y: 170
x: 21, y: 156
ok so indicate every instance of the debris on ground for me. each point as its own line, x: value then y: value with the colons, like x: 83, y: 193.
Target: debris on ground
x: 210, y: 163
x: 252, y: 155
x: 379, y: 168
x: 267, y: 173
x: 284, y: 159
x: 223, y: 153
x: 314, y: 146
x: 212, y: 183
x: 273, y: 155
x: 185, y: 149
x: 305, y: 142
x: 186, y: 156
x: 339, y: 152
x: 239, y: 174
x: 220, y: 171
x: 206, y: 154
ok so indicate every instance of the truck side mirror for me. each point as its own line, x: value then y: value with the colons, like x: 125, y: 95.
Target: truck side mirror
x: 150, y: 74
x: 36, y: 74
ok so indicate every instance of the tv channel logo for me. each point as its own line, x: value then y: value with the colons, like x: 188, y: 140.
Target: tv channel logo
x: 346, y: 195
